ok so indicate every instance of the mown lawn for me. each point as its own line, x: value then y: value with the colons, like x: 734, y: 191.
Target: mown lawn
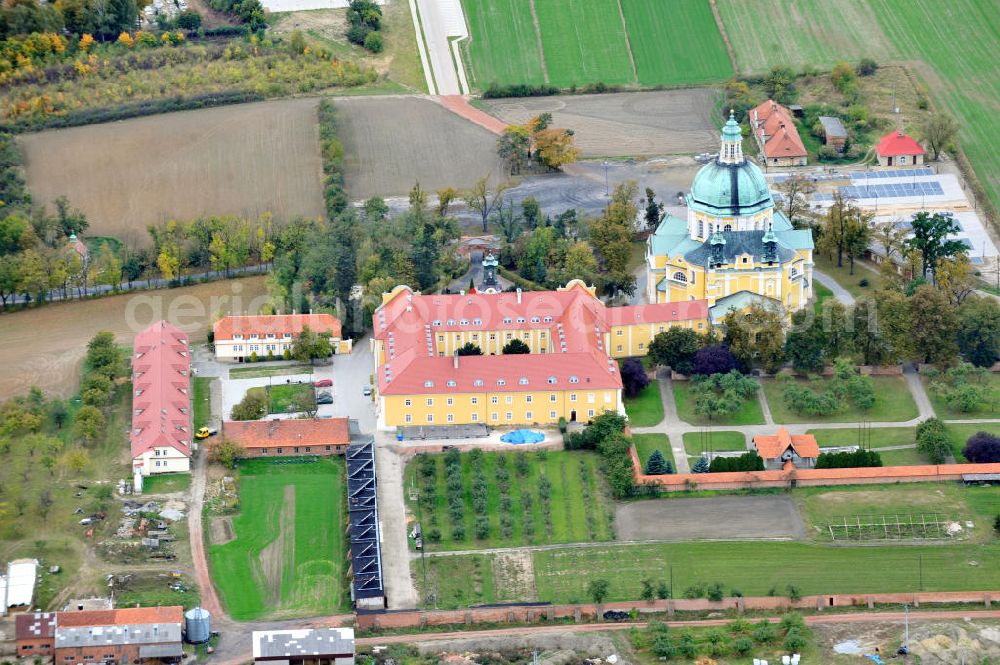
x: 251, y: 372
x: 748, y: 414
x: 584, y: 42
x: 166, y: 483
x: 695, y: 443
x: 893, y: 402
x: 288, y: 398
x: 201, y: 396
x: 646, y: 408
x: 645, y: 444
x: 874, y: 437
x: 959, y: 435
x: 289, y: 555
x: 504, y: 43
x: 675, y: 42
x: 578, y: 507
x: 851, y: 283
x: 562, y: 575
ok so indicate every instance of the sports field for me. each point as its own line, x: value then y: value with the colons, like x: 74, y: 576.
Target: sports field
x: 949, y: 45
x: 288, y: 555
x: 646, y: 42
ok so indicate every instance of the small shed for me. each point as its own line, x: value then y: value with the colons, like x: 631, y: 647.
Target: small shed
x: 834, y: 132
x: 899, y: 149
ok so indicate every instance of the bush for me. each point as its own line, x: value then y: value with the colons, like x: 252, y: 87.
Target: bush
x: 496, y: 91
x: 764, y: 633
x: 714, y: 592
x: 748, y: 461
x: 253, y: 406
x: 982, y: 448
x: 701, y: 466
x: 634, y: 377
x: 846, y: 460
x: 867, y: 67
x: 225, y: 452
x: 189, y: 20
x: 373, y: 42
x: 742, y: 646
x: 932, y: 441
x: 794, y: 641
x: 715, y: 359
x: 664, y: 647
x: 864, y: 283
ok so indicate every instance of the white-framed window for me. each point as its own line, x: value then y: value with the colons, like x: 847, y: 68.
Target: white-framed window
x: 551, y: 380
x: 430, y: 417
x: 475, y: 400
x: 501, y: 382
x: 477, y: 382
x: 451, y: 417
x: 590, y: 413
x: 792, y: 273
x: 727, y: 228
x: 527, y: 399
x: 523, y: 381
x: 552, y: 397
x: 451, y: 401
x: 428, y: 384
x: 641, y: 346
x: 619, y: 332
x: 494, y: 399
x: 475, y: 417
x: 509, y: 399
x: 528, y: 415
x: 451, y: 383
x: 430, y: 401
x: 574, y: 379
x: 619, y: 348
x: 494, y: 416
x: 552, y: 415
x: 680, y: 277
x: 510, y: 416
x: 572, y: 397
x: 607, y: 398
x: 408, y: 402
x: 590, y: 398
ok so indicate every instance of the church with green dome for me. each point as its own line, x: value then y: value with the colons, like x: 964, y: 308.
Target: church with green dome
x: 734, y: 248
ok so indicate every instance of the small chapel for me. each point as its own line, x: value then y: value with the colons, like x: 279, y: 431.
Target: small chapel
x: 734, y: 248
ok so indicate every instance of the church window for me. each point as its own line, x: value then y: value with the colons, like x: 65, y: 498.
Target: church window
x: 680, y: 277
x: 792, y: 273
x: 701, y: 229
x: 727, y: 228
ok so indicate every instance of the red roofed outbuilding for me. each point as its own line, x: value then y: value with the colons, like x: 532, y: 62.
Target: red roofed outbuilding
x: 287, y: 438
x: 899, y: 149
x: 161, y: 434
x: 777, y: 136
x: 782, y: 449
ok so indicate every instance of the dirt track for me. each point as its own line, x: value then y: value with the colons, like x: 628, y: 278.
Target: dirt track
x: 392, y: 142
x: 242, y: 160
x: 627, y: 123
x: 43, y: 347
x: 729, y: 517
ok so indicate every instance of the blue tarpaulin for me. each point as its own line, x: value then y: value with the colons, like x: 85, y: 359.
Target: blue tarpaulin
x: 523, y: 436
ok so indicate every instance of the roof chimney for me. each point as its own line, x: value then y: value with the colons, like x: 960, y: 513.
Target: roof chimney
x: 455, y: 363
x: 519, y: 296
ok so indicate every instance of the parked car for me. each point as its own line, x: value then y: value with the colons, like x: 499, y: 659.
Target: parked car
x: 205, y: 432
x: 325, y: 398
x: 366, y: 391
x: 323, y: 383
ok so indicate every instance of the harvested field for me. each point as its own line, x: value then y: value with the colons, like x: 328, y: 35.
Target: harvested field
x: 625, y: 124
x: 729, y: 517
x: 221, y: 530
x: 43, y: 347
x: 392, y: 143
x: 514, y: 575
x: 242, y: 160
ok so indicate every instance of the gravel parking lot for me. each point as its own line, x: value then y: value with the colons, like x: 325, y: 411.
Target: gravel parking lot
x: 723, y: 518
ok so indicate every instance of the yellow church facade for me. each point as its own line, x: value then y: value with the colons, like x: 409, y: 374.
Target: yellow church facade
x: 734, y: 248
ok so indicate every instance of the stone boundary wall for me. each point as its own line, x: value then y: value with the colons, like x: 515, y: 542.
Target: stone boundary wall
x: 807, y: 477
x: 530, y: 614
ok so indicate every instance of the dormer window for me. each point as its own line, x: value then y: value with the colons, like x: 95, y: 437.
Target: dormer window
x: 548, y: 319
x: 451, y: 322
x: 428, y: 384
x: 574, y: 379
x: 477, y: 382
x: 436, y: 322
x: 552, y: 380
x: 464, y: 322
x: 237, y: 336
x: 501, y: 382
x: 523, y: 381
x: 477, y: 322
x: 520, y: 319
x: 452, y: 384
x: 508, y: 320
x: 535, y: 319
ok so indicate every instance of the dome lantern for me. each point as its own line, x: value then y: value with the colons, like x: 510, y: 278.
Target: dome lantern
x: 731, y: 151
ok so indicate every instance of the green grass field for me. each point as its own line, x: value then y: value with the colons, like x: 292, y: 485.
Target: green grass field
x: 288, y: 557
x: 584, y: 42
x: 561, y: 575
x: 843, y: 276
x: 949, y: 45
x: 697, y: 442
x: 579, y: 509
x: 876, y: 437
x: 990, y: 408
x: 504, y: 46
x: 675, y: 42
x: 252, y: 372
x: 959, y: 434
x: 166, y: 482
x: 646, y: 408
x: 288, y: 398
x: 748, y: 414
x: 893, y: 403
x: 645, y: 444
x: 201, y: 396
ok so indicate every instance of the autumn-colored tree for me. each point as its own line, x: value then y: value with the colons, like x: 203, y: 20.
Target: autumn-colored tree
x: 554, y: 147
x: 76, y: 460
x: 86, y: 42
x: 126, y: 39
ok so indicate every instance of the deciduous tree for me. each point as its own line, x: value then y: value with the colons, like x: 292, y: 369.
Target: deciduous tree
x: 930, y: 233
x: 675, y: 348
x: 938, y: 130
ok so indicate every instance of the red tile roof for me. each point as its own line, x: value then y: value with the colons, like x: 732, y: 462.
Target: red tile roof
x: 276, y: 324
x: 34, y: 625
x: 161, y: 416
x: 123, y: 616
x: 774, y: 125
x: 574, y: 319
x: 295, y: 432
x: 772, y: 447
x: 897, y: 143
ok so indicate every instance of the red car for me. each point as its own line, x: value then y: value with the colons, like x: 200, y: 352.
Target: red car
x: 323, y: 383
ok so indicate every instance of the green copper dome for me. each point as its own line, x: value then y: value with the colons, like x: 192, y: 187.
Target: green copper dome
x: 726, y: 190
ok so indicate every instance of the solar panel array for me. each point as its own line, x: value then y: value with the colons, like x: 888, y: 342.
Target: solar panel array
x: 362, y: 507
x: 899, y: 173
x: 885, y: 191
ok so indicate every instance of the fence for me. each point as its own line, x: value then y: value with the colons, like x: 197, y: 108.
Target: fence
x: 589, y: 612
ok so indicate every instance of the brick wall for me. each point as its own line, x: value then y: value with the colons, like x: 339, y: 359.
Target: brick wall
x: 589, y: 612
x: 36, y: 646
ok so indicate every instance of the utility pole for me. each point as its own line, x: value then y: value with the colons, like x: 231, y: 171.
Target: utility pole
x: 607, y: 189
